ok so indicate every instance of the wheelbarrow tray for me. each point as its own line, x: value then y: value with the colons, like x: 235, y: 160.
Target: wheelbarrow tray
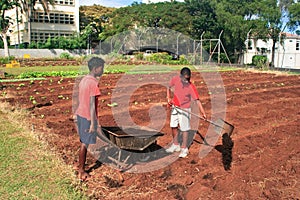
x: 131, y: 138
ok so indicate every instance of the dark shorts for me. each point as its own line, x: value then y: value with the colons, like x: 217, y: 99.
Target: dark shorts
x: 83, y: 129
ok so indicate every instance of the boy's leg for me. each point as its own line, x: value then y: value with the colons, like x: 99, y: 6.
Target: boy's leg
x: 83, y: 175
x: 185, y: 126
x: 174, y: 122
x: 184, y: 139
x: 175, y: 136
x: 85, y: 139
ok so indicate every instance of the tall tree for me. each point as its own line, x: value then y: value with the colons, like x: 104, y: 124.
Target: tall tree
x: 170, y: 15
x: 294, y: 16
x: 230, y: 16
x: 5, y: 22
x: 93, y: 18
x: 204, y: 18
x: 273, y: 14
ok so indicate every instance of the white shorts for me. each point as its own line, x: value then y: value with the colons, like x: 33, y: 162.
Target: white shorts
x: 180, y: 118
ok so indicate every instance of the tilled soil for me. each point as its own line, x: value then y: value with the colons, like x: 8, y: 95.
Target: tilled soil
x: 259, y: 160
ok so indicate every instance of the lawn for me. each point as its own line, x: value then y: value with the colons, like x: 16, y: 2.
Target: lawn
x: 29, y: 169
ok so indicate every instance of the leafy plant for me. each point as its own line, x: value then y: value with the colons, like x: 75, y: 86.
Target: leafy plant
x: 31, y: 98
x: 260, y: 61
x: 65, y: 55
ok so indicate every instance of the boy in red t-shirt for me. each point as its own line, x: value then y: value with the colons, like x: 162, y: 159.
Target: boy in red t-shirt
x: 184, y: 93
x: 86, y: 111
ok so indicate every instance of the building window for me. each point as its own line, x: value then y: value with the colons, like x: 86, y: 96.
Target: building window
x: 54, y: 18
x: 64, y: 2
x: 42, y: 37
x: 297, y: 45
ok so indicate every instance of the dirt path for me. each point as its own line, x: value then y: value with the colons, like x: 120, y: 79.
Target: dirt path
x: 263, y: 107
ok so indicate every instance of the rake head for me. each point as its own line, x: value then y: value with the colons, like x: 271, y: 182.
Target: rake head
x: 222, y: 127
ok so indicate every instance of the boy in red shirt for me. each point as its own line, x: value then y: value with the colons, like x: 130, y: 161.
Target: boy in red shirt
x: 86, y: 111
x: 184, y: 93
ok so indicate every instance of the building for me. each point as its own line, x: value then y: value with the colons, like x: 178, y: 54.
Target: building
x: 62, y: 20
x: 287, y: 54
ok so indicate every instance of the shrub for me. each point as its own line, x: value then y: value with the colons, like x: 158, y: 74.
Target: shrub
x: 6, y: 60
x: 139, y: 56
x: 65, y: 55
x: 260, y: 61
x: 159, y: 58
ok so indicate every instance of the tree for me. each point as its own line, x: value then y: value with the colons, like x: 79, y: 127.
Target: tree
x: 272, y: 14
x: 5, y: 22
x: 169, y: 15
x: 294, y: 16
x: 235, y: 19
x: 230, y: 16
x: 204, y: 18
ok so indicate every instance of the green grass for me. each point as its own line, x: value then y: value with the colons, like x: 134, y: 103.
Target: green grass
x: 131, y: 69
x: 28, y: 169
x: 20, y: 70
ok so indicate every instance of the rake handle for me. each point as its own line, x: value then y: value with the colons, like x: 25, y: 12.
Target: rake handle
x: 199, y: 117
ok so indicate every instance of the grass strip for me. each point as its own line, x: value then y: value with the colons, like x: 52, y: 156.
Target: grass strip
x: 28, y: 169
x: 47, y: 71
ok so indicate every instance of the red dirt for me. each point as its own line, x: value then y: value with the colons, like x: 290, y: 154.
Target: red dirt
x: 263, y: 107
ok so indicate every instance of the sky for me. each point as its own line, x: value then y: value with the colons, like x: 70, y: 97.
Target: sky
x: 117, y: 3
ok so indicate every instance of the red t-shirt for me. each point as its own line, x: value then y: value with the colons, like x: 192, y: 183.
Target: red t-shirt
x: 183, y: 93
x: 88, y: 87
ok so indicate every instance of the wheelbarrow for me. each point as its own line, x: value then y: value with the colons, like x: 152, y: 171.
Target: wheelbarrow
x: 125, y: 142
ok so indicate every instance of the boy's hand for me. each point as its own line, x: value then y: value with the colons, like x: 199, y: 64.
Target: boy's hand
x: 92, y: 128
x: 170, y: 103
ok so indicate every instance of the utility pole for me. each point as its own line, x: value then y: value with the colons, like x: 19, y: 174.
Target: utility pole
x: 247, y: 43
x: 219, y: 47
x: 201, y: 46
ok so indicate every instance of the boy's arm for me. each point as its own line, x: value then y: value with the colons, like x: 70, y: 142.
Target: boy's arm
x: 201, y: 108
x: 93, y: 114
x: 169, y: 99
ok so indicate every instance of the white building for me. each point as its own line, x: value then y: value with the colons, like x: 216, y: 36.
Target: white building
x: 287, y: 55
x: 63, y: 20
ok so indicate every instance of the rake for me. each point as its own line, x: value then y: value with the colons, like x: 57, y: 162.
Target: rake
x: 221, y: 126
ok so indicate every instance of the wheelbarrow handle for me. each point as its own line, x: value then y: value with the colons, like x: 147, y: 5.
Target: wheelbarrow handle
x: 199, y: 117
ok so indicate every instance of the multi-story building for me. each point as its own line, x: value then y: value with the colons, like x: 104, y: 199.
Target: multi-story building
x: 287, y: 52
x: 62, y: 20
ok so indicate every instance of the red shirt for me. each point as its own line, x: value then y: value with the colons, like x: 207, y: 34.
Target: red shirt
x: 183, y: 93
x: 88, y: 87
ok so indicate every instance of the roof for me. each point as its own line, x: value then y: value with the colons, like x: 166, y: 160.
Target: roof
x: 291, y: 35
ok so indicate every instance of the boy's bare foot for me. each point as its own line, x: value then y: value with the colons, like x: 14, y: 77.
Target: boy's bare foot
x: 83, y: 175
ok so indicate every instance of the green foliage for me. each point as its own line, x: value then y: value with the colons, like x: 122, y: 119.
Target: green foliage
x: 158, y: 58
x: 48, y: 74
x: 96, y: 15
x: 260, y: 61
x: 165, y: 58
x: 65, y: 55
x: 6, y: 60
x: 139, y: 56
x: 171, y: 15
x: 294, y: 15
x: 223, y: 58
